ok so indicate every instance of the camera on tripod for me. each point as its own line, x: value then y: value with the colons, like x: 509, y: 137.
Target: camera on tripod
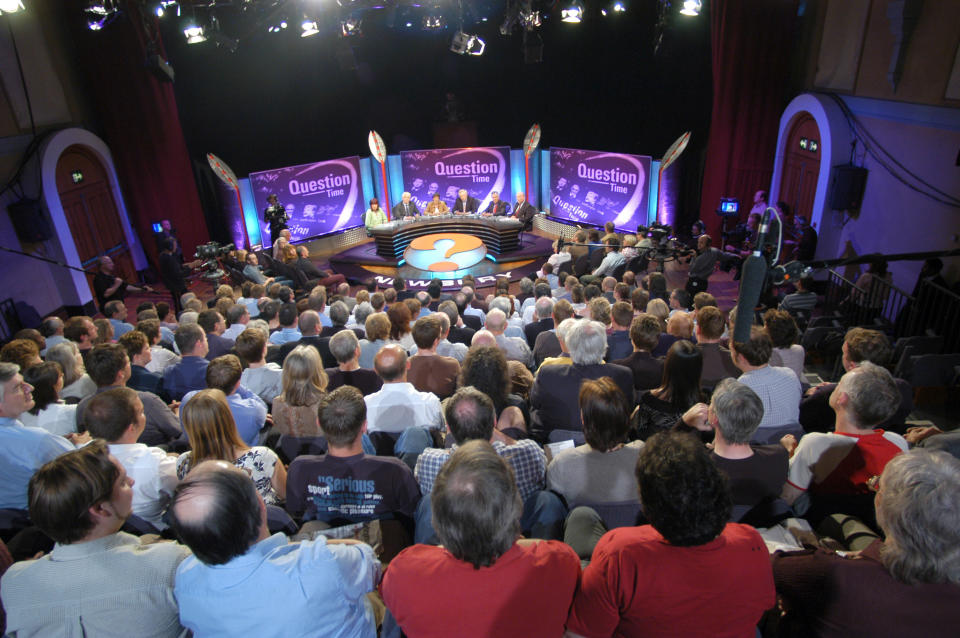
x: 210, y: 253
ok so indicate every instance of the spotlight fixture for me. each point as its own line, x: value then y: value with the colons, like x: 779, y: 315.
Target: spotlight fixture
x: 350, y: 27
x: 434, y: 21
x: 194, y: 32
x: 162, y: 7
x: 10, y: 6
x: 691, y: 7
x: 100, y: 8
x: 614, y: 8
x: 308, y: 28
x: 572, y: 13
x: 100, y: 13
x: 530, y: 19
x: 466, y: 44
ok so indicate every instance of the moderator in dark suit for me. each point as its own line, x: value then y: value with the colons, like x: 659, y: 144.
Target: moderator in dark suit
x: 533, y: 329
x: 469, y: 206
x: 524, y: 212
x: 219, y: 346
x: 554, y: 396
x: 496, y: 208
x: 404, y: 210
x: 647, y: 370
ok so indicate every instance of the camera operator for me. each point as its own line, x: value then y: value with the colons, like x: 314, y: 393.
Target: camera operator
x: 276, y: 215
x: 108, y: 287
x: 172, y: 273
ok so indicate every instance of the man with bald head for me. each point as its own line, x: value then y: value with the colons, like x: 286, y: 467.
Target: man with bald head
x: 514, y: 348
x: 242, y: 580
x: 522, y: 210
x: 108, y: 287
x: 398, y: 405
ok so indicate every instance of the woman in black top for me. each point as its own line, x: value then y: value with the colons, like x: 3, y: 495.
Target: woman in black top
x: 659, y: 409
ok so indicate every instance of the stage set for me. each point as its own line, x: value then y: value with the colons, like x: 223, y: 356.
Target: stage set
x: 325, y: 203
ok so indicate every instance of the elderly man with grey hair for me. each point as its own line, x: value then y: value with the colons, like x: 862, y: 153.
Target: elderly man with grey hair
x: 345, y: 348
x: 554, y: 396
x: 835, y: 469
x: 527, y: 310
x: 514, y: 348
x: 358, y: 319
x: 756, y: 472
x: 505, y: 305
x: 543, y: 319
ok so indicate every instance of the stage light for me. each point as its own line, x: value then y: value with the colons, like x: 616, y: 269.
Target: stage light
x: 573, y: 13
x: 614, y: 8
x: 350, y: 27
x: 95, y: 24
x: 466, y: 44
x: 308, y: 28
x: 531, y: 20
x: 10, y: 6
x: 103, y: 8
x: 691, y: 7
x: 409, y: 24
x: 434, y: 22
x: 194, y: 33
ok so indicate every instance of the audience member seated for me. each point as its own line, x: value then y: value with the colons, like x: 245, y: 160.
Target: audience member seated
x: 237, y: 317
x: 310, y: 270
x: 486, y: 369
x: 110, y: 368
x: 553, y: 399
x: 304, y: 384
x: 907, y: 583
x: 160, y: 357
x: 842, y: 462
x: 51, y: 328
x: 644, y: 336
x: 547, y: 344
x: 658, y: 308
x: 777, y: 387
x: 213, y: 436
x: 97, y: 581
x: 680, y: 325
x: 288, y: 332
x: 345, y: 485
x: 398, y: 405
x: 116, y: 312
x: 859, y: 345
x: 484, y: 580
x: 77, y: 384
x: 262, y: 378
x: 679, y: 390
x: 339, y: 315
x: 241, y: 580
x: 190, y: 372
x: 249, y: 411
x: 400, y: 324
x: 429, y: 371
x: 611, y: 260
x: 514, y: 348
x: 214, y: 326
x: 756, y: 472
x: 83, y: 332
x: 717, y: 361
x: 21, y: 352
x: 48, y: 412
x: 460, y: 333
x: 23, y: 449
x: 783, y: 333
x: 117, y: 417
x: 602, y: 469
x: 377, y: 329
x: 345, y: 348
x: 712, y: 577
x: 803, y: 300
x: 138, y: 351
x: 541, y: 319
x: 104, y: 332
x: 619, y: 345
x: 254, y: 272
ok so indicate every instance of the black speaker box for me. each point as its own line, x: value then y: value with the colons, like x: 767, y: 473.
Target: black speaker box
x: 28, y: 221
x: 846, y: 187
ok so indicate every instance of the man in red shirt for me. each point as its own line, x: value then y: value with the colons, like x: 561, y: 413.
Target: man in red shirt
x: 688, y: 573
x: 482, y: 581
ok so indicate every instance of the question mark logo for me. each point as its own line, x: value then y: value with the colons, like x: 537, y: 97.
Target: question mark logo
x: 445, y: 252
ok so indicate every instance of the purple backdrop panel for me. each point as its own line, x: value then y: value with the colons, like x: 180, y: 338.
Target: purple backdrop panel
x: 480, y: 170
x: 320, y: 198
x: 595, y: 187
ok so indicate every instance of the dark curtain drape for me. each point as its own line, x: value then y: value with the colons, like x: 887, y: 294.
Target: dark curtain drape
x: 139, y: 121
x: 751, y: 43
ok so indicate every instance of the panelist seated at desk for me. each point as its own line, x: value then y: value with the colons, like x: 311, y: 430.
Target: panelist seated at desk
x: 464, y: 203
x: 436, y: 206
x: 374, y: 215
x: 496, y: 207
x: 405, y: 208
x: 523, y: 210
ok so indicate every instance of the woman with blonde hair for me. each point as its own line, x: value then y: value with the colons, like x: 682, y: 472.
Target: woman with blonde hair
x: 304, y: 384
x: 104, y: 331
x: 288, y: 254
x: 213, y: 436
x: 77, y: 384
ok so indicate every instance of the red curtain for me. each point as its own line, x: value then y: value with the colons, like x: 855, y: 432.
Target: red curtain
x: 139, y: 122
x: 751, y: 43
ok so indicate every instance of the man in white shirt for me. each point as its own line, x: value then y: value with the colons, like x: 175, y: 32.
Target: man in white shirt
x: 778, y: 388
x: 611, y: 260
x: 160, y: 357
x: 398, y: 405
x: 117, y: 417
x: 237, y: 318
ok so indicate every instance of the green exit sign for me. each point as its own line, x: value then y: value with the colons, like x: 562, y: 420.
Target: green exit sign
x: 77, y: 177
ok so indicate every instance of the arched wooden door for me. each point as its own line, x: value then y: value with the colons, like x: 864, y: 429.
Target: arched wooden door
x: 801, y: 168
x: 91, y: 212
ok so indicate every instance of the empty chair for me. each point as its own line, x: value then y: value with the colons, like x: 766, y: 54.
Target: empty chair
x: 595, y: 258
x: 907, y: 347
x: 581, y: 265
x: 618, y: 271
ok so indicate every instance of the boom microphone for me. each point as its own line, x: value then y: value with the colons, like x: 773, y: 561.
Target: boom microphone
x: 753, y: 272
